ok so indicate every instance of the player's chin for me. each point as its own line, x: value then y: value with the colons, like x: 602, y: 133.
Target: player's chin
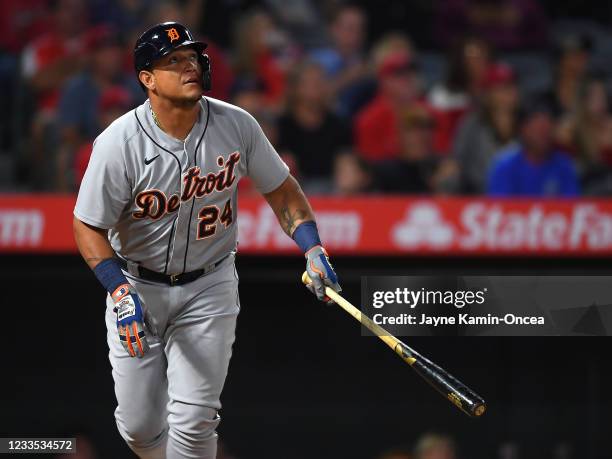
x: 192, y: 91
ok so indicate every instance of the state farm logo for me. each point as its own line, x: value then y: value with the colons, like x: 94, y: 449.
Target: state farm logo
x: 491, y: 226
x: 579, y: 227
x: 423, y: 225
x: 259, y: 228
x: 20, y: 228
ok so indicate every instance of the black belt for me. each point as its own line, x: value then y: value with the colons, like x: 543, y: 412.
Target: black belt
x: 170, y: 279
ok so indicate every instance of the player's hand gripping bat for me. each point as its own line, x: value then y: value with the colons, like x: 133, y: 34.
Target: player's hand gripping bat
x: 454, y: 390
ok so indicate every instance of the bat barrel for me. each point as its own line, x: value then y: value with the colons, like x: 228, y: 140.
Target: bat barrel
x: 450, y: 387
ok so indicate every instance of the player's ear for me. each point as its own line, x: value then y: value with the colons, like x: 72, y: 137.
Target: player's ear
x: 147, y: 79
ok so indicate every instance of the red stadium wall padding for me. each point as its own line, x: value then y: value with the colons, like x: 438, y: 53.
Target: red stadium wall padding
x: 372, y: 225
x: 36, y: 223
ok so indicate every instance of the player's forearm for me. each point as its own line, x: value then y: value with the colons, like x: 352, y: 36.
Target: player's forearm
x: 92, y: 242
x: 290, y: 205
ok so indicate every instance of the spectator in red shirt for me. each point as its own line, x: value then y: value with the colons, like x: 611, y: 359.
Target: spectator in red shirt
x: 376, y: 127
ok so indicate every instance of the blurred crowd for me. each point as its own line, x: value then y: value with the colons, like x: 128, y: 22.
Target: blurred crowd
x: 501, y: 97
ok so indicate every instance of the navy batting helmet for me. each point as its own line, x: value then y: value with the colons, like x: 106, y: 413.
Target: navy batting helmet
x: 161, y: 40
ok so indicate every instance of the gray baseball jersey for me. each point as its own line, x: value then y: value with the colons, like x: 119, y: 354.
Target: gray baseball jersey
x: 171, y: 205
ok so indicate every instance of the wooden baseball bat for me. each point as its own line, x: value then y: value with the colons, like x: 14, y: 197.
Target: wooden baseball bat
x: 450, y: 387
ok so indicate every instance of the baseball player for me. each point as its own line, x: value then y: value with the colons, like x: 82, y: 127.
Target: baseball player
x: 155, y: 219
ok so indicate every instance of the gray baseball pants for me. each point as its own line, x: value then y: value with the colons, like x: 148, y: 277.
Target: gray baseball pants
x: 168, y: 401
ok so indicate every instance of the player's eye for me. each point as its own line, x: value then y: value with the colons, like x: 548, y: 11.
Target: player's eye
x: 173, y: 60
x: 193, y: 58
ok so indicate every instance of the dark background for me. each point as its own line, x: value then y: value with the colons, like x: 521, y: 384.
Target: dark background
x: 303, y: 382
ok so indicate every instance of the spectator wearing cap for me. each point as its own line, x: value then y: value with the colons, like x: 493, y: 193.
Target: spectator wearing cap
x: 114, y: 102
x: 391, y: 43
x: 534, y: 167
x: 77, y: 112
x: 376, y: 127
x: 417, y: 169
x: 490, y: 127
x: 344, y: 59
x: 468, y: 61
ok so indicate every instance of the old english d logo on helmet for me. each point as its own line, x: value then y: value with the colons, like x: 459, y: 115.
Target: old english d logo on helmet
x: 172, y: 34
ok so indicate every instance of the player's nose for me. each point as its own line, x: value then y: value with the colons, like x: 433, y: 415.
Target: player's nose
x: 192, y: 63
x: 191, y: 69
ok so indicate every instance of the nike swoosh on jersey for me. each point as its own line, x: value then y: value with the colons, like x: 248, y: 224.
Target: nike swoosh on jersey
x: 149, y: 161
